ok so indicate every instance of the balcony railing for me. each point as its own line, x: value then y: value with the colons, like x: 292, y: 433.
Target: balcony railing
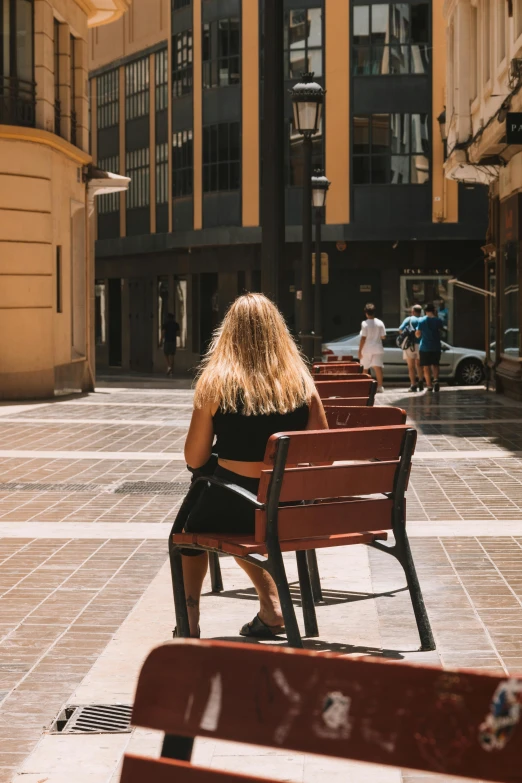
x: 17, y: 101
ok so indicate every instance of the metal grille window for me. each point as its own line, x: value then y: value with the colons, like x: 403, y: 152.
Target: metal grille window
x: 303, y: 42
x: 182, y: 63
x: 182, y: 160
x: 391, y: 39
x: 137, y: 89
x: 108, y: 99
x: 162, y: 173
x: 17, y: 86
x: 162, y: 78
x: 111, y: 201
x: 177, y: 4
x: 221, y: 157
x: 391, y: 149
x: 138, y: 169
x: 221, y: 53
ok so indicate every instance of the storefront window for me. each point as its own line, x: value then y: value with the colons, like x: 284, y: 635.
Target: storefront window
x: 100, y: 312
x: 511, y: 301
x: 421, y: 289
x: 181, y: 311
x: 163, y: 305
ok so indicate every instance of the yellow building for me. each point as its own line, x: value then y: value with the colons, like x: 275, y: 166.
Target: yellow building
x: 47, y: 195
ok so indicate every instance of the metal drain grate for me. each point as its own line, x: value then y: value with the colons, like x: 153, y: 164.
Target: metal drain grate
x: 15, y: 486
x: 93, y: 719
x: 177, y: 488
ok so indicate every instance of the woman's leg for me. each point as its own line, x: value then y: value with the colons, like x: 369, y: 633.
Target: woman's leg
x: 194, y: 572
x: 270, y: 612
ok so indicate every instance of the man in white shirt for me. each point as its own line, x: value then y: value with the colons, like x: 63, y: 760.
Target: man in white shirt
x: 371, y: 349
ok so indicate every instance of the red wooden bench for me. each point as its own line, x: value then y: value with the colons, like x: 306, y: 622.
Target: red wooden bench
x: 343, y: 417
x: 356, y: 388
x: 457, y: 723
x: 331, y: 357
x: 347, y: 514
x: 348, y: 368
x: 343, y: 376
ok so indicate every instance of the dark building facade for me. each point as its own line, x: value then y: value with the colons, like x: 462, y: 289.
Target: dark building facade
x: 182, y: 119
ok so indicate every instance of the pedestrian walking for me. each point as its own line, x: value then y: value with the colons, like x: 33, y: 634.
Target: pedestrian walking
x: 409, y: 342
x: 428, y: 331
x: 252, y: 384
x: 170, y: 340
x: 371, y: 349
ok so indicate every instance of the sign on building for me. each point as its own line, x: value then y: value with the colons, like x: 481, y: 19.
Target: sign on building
x: 514, y: 128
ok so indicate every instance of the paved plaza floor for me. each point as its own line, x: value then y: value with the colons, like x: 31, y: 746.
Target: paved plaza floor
x: 89, y: 487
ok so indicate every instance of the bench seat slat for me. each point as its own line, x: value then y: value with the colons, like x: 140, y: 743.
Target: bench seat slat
x: 247, y: 545
x: 335, y: 481
x: 137, y: 769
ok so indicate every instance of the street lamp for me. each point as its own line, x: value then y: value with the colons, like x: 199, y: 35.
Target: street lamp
x: 307, y: 102
x: 320, y: 185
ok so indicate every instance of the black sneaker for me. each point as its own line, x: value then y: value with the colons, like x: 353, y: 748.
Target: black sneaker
x: 412, y: 389
x: 420, y: 385
x: 436, y: 386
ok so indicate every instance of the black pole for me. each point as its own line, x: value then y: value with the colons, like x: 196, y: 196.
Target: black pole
x: 318, y: 326
x: 273, y: 145
x: 306, y: 326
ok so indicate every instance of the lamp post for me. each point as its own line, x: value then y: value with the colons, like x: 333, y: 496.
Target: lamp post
x: 307, y: 101
x: 320, y: 185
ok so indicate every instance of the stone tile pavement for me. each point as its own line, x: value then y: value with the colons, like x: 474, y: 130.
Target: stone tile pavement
x: 81, y: 604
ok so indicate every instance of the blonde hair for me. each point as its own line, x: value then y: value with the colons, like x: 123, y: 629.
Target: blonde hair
x: 253, y: 363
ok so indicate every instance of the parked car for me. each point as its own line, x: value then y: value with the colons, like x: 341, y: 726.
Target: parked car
x: 463, y: 366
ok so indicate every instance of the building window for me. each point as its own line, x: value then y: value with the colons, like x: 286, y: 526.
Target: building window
x: 59, y: 270
x: 182, y: 63
x: 162, y: 79
x: 74, y: 116
x: 221, y: 53
x: 110, y: 202
x: 182, y: 158
x: 295, y: 156
x: 221, y: 157
x: 100, y: 312
x: 162, y: 173
x: 108, y: 99
x: 56, y: 59
x: 177, y: 4
x: 138, y: 169
x: 303, y: 42
x: 17, y: 86
x: 391, y: 149
x: 391, y: 38
x: 137, y: 89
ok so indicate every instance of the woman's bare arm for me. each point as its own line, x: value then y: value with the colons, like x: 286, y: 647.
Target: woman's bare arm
x: 317, y: 417
x: 198, y: 445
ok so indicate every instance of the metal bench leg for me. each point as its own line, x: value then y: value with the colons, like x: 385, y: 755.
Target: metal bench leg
x: 175, y: 747
x: 404, y: 556
x: 277, y: 571
x: 215, y: 573
x: 307, y: 598
x: 178, y: 587
x: 313, y: 568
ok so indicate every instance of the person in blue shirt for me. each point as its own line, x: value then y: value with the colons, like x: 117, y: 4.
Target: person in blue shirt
x: 410, y: 353
x: 428, y: 331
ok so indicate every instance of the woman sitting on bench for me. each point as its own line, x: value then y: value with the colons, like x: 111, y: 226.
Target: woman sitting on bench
x: 252, y: 384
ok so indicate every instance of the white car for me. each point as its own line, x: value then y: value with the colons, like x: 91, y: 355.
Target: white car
x: 463, y: 366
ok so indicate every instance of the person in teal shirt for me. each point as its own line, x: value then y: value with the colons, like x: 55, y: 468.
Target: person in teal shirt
x: 410, y: 353
x: 428, y: 331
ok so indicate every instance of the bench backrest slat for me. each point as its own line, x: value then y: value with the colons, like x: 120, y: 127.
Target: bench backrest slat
x: 331, y: 519
x: 343, y: 376
x: 382, y: 443
x: 341, y: 417
x: 331, y: 481
x: 399, y: 715
x: 349, y: 388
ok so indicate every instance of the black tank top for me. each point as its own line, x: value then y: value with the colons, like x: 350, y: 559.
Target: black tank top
x: 244, y: 438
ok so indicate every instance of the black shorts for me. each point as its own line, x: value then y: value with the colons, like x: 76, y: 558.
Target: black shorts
x: 220, y: 511
x: 169, y: 349
x: 430, y: 358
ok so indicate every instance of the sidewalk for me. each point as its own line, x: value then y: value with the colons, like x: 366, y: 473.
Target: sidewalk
x: 88, y: 490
